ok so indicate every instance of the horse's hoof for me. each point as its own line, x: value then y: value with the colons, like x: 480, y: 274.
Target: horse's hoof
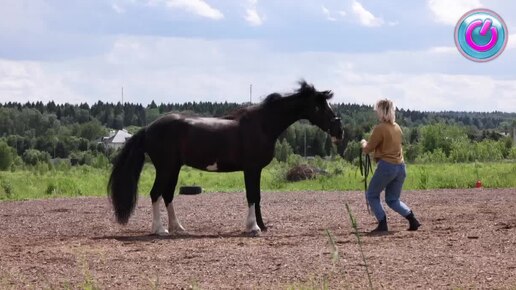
x: 254, y: 233
x: 161, y: 233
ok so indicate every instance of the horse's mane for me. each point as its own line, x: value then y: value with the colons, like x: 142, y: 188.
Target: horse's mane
x: 238, y: 113
x: 272, y: 99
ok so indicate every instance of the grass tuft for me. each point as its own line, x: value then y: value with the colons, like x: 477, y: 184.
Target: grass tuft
x: 354, y: 224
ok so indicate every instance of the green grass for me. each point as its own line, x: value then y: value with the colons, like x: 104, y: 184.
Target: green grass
x: 354, y: 225
x: 462, y: 175
x: 78, y: 181
x: 342, y: 176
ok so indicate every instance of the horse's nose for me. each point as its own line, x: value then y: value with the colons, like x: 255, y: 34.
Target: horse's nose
x: 336, y: 123
x: 336, y: 128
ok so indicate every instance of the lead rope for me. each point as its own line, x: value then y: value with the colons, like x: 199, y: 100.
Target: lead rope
x: 365, y: 169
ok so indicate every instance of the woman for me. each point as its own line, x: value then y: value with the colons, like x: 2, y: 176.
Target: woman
x: 390, y: 172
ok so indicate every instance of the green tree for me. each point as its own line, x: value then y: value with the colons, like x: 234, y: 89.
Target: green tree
x: 413, y: 135
x: 505, y: 126
x: 317, y: 143
x: 92, y: 130
x: 7, y: 155
x: 352, y: 151
x: 33, y: 157
x: 462, y: 151
x: 440, y: 136
x: 151, y: 114
x: 411, y: 151
x: 329, y: 147
x: 283, y: 150
x: 508, y: 143
x: 61, y: 150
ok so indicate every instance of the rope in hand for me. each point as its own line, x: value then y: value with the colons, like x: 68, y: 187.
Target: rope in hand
x: 365, y: 169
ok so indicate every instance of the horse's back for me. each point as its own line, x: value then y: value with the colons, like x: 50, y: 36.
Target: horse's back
x: 195, y: 141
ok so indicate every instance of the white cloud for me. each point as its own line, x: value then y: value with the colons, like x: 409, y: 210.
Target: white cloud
x: 431, y: 92
x: 443, y: 49
x: 20, y: 17
x: 327, y: 13
x: 365, y: 17
x: 251, y: 14
x: 31, y: 81
x: 219, y: 70
x: 198, y: 7
x: 117, y: 8
x: 253, y: 18
x: 333, y: 15
x: 450, y: 11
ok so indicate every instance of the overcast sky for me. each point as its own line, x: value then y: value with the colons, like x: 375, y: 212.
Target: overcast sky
x: 212, y: 50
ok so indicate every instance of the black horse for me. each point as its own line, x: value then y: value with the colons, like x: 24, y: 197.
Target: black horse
x: 241, y: 141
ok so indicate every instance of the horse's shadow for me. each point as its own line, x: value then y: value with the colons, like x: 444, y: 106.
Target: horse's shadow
x: 182, y: 236
x: 141, y: 237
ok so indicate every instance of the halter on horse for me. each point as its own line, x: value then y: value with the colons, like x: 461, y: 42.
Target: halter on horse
x: 241, y: 141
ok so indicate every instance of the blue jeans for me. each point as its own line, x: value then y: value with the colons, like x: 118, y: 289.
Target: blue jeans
x: 390, y: 177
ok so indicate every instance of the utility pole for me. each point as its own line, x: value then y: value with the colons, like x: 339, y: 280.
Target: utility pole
x: 122, y: 95
x: 305, y: 142
x: 250, y: 93
x: 513, y: 132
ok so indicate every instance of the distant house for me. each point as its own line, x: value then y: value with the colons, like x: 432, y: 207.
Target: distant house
x: 116, y: 139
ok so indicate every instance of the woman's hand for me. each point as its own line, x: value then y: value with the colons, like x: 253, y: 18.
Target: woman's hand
x: 363, y: 143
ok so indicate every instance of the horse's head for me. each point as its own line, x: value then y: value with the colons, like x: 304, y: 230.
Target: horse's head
x: 318, y: 111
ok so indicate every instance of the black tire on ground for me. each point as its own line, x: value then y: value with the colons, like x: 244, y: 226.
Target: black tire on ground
x: 190, y: 190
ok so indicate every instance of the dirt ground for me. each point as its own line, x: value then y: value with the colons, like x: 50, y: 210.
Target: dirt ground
x: 468, y: 240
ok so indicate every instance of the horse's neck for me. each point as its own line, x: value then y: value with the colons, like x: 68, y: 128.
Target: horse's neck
x: 281, y: 116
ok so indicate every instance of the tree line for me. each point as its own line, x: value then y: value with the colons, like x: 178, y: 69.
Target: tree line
x: 35, y: 132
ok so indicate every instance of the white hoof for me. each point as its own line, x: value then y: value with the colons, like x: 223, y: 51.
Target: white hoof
x: 160, y: 231
x: 253, y: 230
x: 251, y: 227
x: 254, y: 233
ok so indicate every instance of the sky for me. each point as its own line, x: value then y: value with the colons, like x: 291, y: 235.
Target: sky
x: 175, y: 51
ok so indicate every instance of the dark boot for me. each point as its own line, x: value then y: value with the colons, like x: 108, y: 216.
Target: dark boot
x: 382, y: 226
x: 413, y: 222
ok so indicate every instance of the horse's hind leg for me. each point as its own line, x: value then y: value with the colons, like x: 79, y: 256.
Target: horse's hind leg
x: 174, y: 226
x: 160, y: 186
x: 252, y: 187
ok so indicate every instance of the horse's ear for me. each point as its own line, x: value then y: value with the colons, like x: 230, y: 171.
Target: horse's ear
x: 327, y: 94
x: 305, y: 87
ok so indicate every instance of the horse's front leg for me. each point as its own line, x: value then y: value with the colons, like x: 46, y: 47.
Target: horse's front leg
x: 254, y: 222
x: 259, y: 219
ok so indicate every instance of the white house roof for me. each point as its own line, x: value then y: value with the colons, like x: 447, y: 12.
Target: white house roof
x: 119, y: 137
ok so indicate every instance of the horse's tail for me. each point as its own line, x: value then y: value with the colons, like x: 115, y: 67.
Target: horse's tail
x: 123, y: 182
